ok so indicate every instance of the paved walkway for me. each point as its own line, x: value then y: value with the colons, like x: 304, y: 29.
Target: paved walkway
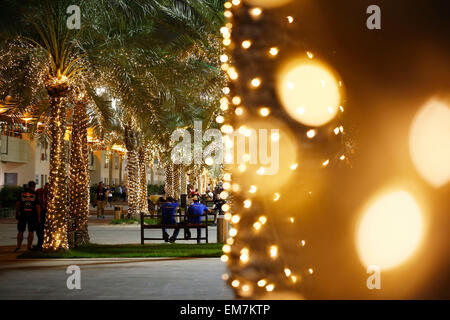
x: 102, y: 232
x: 155, y: 278
x: 134, y: 278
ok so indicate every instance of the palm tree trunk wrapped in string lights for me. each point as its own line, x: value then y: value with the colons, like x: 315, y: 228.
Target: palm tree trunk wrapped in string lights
x: 265, y: 253
x: 168, y: 187
x: 176, y: 181
x: 143, y: 194
x: 183, y: 178
x: 55, y: 236
x: 79, y: 176
x: 132, y: 172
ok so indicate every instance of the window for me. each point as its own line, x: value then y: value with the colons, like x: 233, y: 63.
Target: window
x: 10, y: 179
x: 106, y: 161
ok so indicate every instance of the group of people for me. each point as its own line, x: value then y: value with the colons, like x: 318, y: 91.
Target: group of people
x: 103, y: 197
x: 31, y: 209
x: 194, y: 215
x: 194, y: 212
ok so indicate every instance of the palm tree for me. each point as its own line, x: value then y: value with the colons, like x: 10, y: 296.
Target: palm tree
x: 79, y: 173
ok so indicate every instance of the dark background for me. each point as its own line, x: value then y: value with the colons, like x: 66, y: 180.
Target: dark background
x: 388, y: 75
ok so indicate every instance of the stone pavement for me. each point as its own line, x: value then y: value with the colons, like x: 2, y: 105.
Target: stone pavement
x: 133, y: 278
x: 102, y: 232
x: 149, y: 278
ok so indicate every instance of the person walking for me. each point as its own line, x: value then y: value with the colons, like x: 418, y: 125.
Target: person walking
x: 101, y: 196
x: 42, y: 194
x: 110, y: 196
x: 124, y: 193
x: 28, y: 214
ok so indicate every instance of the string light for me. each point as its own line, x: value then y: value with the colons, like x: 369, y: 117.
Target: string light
x: 290, y: 19
x: 311, y: 133
x: 236, y: 100
x: 273, y: 251
x: 287, y: 272
x: 256, y: 82
x: 246, y: 44
x: 261, y: 283
x: 264, y: 111
x: 255, y: 12
x: 273, y: 51
x: 270, y: 287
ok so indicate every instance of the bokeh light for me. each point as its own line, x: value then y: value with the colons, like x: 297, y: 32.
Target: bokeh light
x: 260, y: 166
x: 429, y: 142
x: 390, y: 230
x: 268, y: 3
x: 308, y: 91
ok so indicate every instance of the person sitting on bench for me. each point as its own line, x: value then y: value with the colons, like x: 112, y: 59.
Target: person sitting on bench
x: 168, y: 209
x: 194, y: 215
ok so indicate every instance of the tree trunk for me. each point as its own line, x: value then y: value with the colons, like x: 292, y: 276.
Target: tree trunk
x: 169, y: 179
x: 176, y: 181
x: 133, y: 183
x: 120, y: 169
x: 79, y: 177
x: 183, y: 179
x: 55, y: 236
x: 143, y: 180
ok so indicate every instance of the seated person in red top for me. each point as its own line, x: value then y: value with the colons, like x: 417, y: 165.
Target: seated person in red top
x: 168, y: 209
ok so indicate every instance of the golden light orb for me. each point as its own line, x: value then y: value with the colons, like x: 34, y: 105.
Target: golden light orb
x: 429, y: 142
x: 256, y: 82
x: 268, y: 3
x: 246, y: 44
x: 264, y: 111
x: 311, y: 133
x: 390, y: 230
x: 220, y: 119
x: 255, y: 12
x: 236, y: 100
x: 239, y: 111
x: 273, y: 51
x: 308, y: 91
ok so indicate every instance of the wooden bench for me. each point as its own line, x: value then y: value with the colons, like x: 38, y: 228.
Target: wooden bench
x: 182, y: 225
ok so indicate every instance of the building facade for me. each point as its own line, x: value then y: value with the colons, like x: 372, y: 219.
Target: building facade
x: 23, y: 159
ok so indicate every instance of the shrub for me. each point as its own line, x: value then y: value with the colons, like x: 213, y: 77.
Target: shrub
x: 9, y: 196
x: 155, y: 189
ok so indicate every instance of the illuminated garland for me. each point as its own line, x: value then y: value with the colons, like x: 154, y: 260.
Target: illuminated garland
x: 265, y: 254
x: 55, y: 236
x: 143, y: 193
x: 168, y: 187
x: 176, y: 181
x: 131, y: 136
x: 79, y: 176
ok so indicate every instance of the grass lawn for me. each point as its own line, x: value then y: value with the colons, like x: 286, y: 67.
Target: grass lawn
x: 132, y: 251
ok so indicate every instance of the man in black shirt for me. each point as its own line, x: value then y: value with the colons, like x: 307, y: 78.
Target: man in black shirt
x: 101, y: 196
x: 28, y: 212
